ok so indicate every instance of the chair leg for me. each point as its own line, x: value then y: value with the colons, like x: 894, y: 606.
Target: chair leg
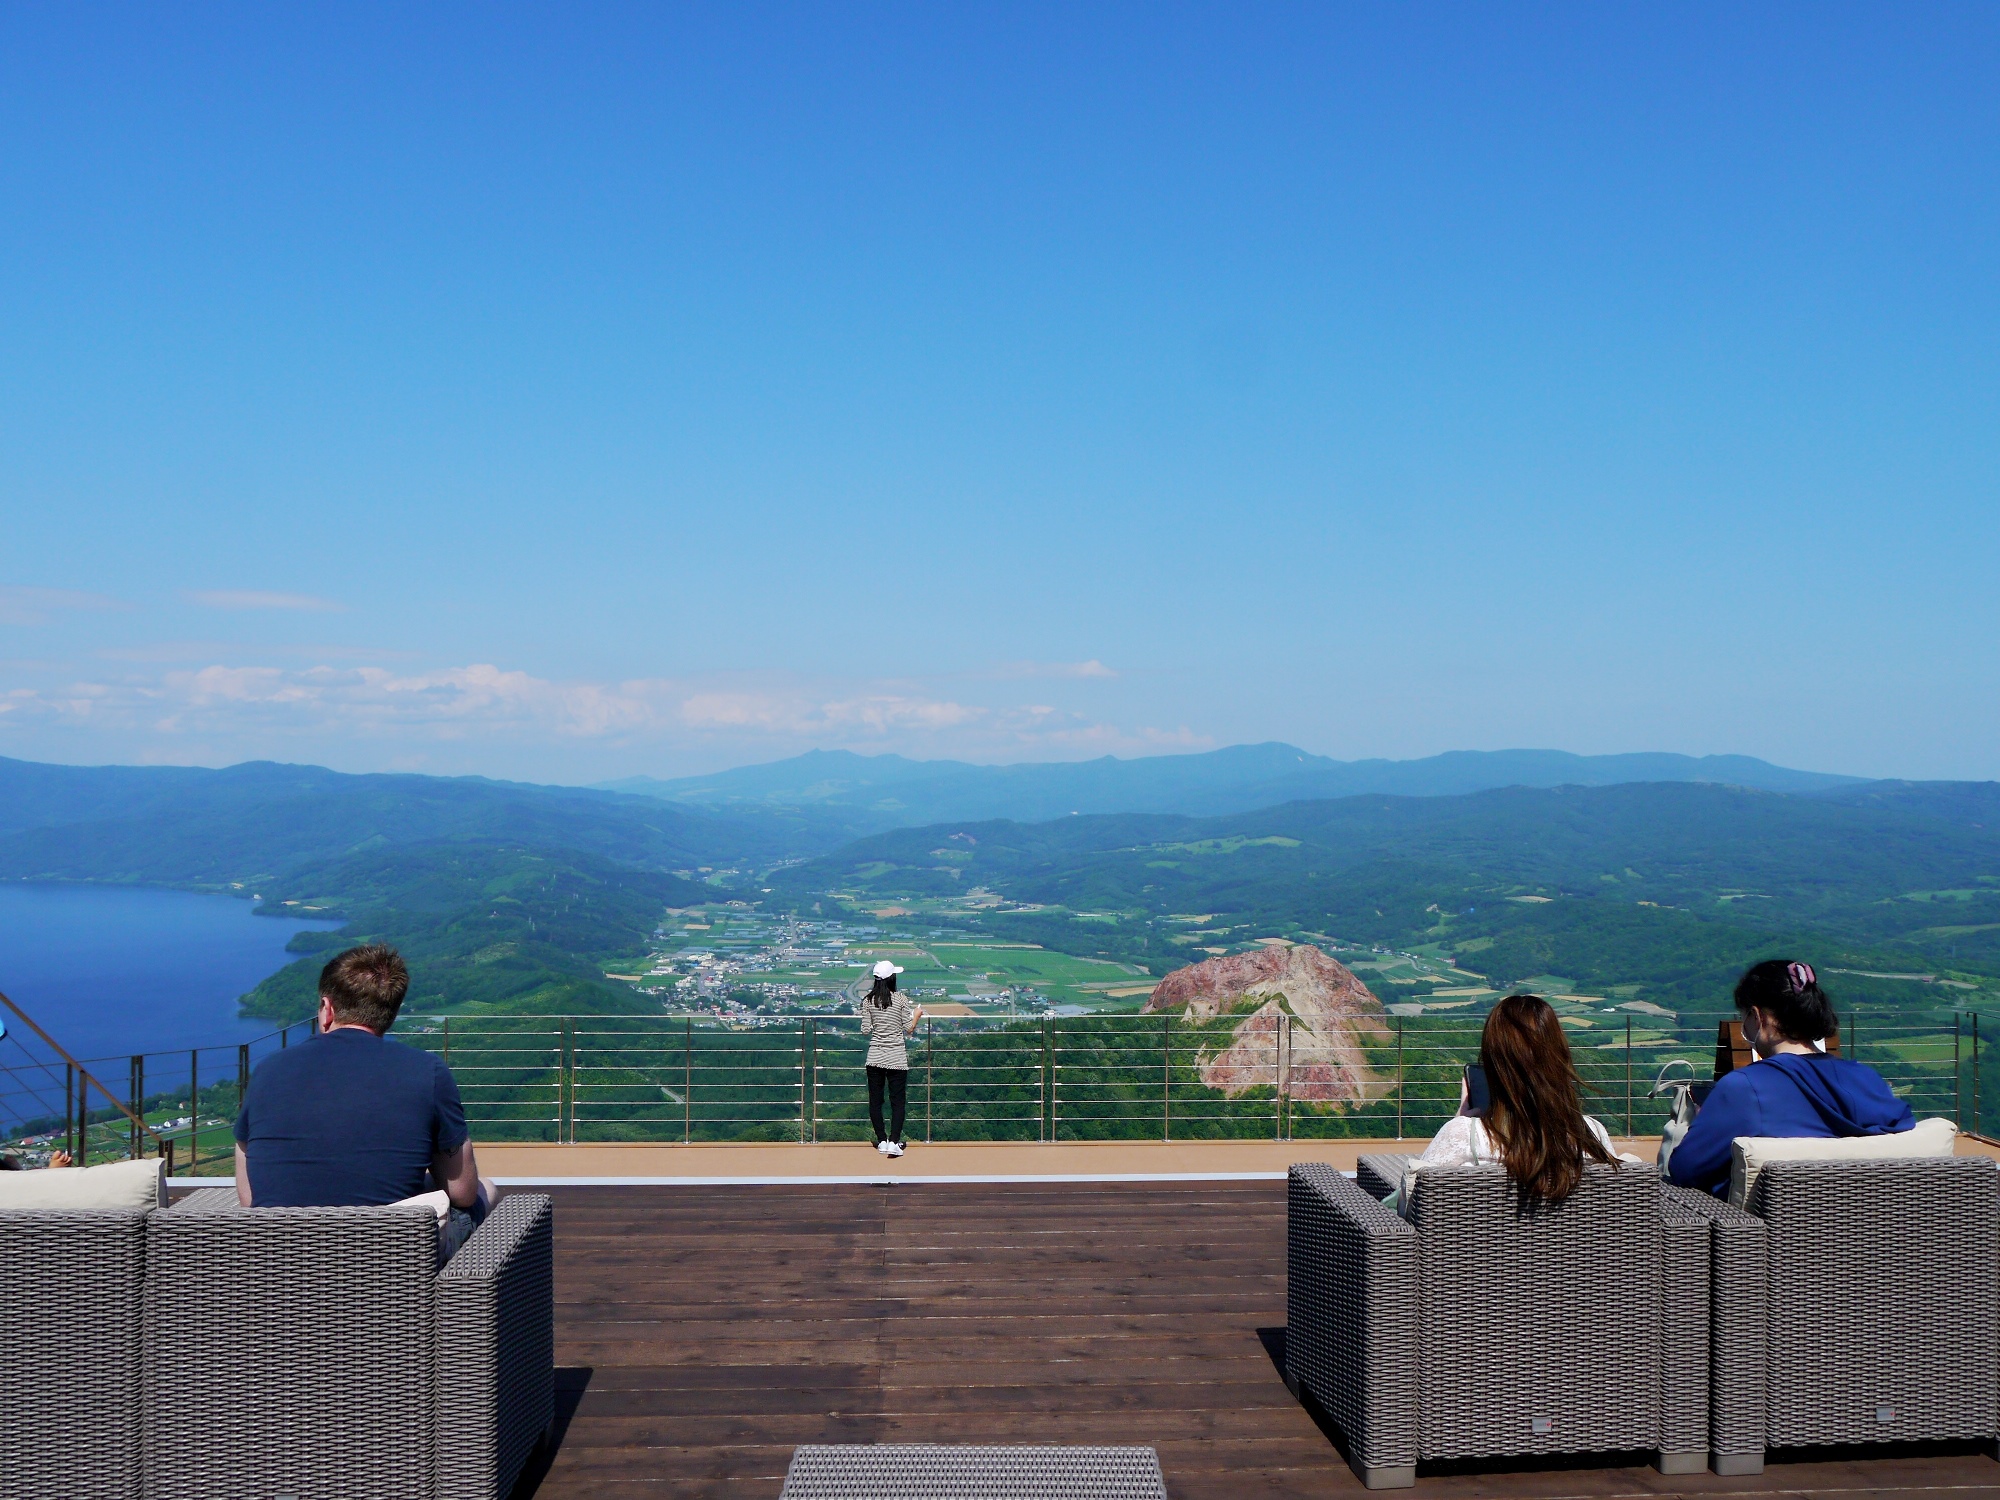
x: 1384, y: 1476
x: 1739, y: 1463
x: 1681, y: 1463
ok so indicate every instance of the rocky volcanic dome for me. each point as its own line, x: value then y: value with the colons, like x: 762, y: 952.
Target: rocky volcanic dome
x: 1319, y: 1057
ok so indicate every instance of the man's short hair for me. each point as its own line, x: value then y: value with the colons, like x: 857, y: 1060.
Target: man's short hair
x: 366, y: 986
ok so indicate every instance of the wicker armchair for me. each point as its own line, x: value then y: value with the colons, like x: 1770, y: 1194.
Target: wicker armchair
x: 320, y: 1353
x: 1473, y: 1330
x: 70, y: 1389
x: 1898, y: 1263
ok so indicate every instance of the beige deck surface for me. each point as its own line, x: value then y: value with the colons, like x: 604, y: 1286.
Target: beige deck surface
x: 957, y: 1160
x: 774, y: 1162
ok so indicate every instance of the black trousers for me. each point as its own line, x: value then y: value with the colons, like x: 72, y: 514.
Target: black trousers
x: 896, y: 1082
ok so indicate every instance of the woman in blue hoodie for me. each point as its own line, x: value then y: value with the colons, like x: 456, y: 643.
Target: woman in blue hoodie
x: 1794, y: 1089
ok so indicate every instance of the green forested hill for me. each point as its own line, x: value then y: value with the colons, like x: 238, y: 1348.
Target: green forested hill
x: 500, y: 894
x: 252, y: 821
x: 1672, y: 887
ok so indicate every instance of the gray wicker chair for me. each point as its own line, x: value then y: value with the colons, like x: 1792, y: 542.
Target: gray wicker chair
x: 70, y: 1383
x: 320, y: 1353
x: 1476, y: 1331
x: 1902, y: 1258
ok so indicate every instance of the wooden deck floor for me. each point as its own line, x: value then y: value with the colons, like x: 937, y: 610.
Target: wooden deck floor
x: 703, y: 1332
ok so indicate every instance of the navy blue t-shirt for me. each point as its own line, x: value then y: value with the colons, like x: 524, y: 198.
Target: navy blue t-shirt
x: 346, y: 1120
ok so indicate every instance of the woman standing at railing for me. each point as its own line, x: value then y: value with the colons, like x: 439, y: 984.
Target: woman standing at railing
x: 886, y: 1019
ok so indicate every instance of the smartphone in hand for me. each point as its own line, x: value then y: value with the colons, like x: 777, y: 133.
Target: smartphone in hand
x: 1477, y: 1095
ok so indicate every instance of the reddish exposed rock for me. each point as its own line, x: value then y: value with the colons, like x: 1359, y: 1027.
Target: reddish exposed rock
x: 1332, y: 1014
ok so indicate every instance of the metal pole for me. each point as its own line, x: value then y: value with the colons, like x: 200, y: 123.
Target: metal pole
x: 565, y: 1086
x: 447, y: 1041
x: 930, y: 1044
x: 1399, y: 1078
x: 802, y: 1082
x: 1042, y: 1088
x: 242, y: 1072
x: 1957, y: 1075
x: 194, y: 1110
x: 811, y: 1077
x: 1278, y: 1079
x: 1055, y: 1083
x: 1975, y: 1072
x: 1628, y: 1077
x: 1167, y: 1078
x: 69, y: 1112
x: 284, y: 1037
x: 687, y: 1084
x: 135, y: 1090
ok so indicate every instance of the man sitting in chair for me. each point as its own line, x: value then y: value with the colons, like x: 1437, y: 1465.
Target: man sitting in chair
x: 352, y: 1119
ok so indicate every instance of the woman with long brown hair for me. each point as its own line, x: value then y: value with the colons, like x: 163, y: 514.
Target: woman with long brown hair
x: 1533, y: 1123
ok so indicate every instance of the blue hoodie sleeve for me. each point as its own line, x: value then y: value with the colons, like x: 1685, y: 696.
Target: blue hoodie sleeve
x: 1701, y: 1160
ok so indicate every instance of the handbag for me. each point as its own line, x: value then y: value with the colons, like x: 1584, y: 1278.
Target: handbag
x: 1683, y: 1110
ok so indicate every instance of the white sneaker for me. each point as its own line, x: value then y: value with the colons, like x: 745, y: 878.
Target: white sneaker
x: 883, y: 1147
x: 892, y: 1148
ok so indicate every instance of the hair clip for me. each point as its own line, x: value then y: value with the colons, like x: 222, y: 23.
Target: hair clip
x: 1801, y: 976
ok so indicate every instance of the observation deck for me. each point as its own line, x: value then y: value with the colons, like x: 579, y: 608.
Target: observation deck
x: 706, y: 1328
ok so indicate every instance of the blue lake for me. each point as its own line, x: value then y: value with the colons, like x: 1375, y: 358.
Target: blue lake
x: 112, y: 970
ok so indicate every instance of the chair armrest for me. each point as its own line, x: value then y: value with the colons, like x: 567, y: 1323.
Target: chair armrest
x: 496, y: 1350
x: 1379, y: 1173
x: 1685, y: 1319
x: 207, y: 1200
x: 1351, y: 1315
x: 1738, y: 1329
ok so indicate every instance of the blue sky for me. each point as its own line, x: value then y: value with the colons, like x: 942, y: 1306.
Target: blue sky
x: 572, y: 392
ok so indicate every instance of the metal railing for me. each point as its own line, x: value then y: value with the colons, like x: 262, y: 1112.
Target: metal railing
x: 581, y: 1079
x: 1124, y: 1077
x: 179, y: 1104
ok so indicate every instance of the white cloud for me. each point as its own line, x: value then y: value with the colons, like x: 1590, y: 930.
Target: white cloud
x: 261, y: 599
x: 271, y: 708
x: 1018, y: 670
x: 30, y: 606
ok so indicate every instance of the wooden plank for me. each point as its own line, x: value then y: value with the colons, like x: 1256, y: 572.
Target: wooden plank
x: 705, y: 1331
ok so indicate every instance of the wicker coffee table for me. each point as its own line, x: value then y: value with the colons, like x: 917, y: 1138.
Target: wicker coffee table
x: 925, y: 1472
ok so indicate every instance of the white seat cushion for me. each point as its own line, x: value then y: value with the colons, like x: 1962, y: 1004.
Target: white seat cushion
x: 1750, y: 1154
x: 117, y: 1184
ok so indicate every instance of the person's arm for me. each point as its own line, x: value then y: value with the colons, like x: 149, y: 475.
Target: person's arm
x: 458, y: 1174
x: 1452, y: 1145
x: 241, y: 1131
x: 452, y: 1164
x: 1701, y: 1160
x: 916, y: 1014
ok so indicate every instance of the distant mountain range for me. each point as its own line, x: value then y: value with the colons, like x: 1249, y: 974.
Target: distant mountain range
x: 874, y: 793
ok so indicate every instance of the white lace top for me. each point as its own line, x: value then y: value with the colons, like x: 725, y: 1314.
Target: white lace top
x: 1464, y: 1142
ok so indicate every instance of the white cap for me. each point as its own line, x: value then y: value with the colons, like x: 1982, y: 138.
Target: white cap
x: 883, y: 969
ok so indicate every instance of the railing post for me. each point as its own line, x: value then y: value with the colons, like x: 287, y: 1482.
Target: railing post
x: 930, y: 1044
x: 69, y: 1113
x: 811, y: 1076
x: 1957, y: 1075
x: 565, y: 1086
x: 1399, y: 1078
x: 447, y: 1041
x: 1628, y: 1077
x: 194, y: 1110
x: 242, y: 1072
x: 1042, y: 1088
x: 1055, y: 1082
x: 687, y: 1085
x: 1975, y: 1073
x: 1167, y: 1077
x: 1278, y: 1079
x: 135, y: 1090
